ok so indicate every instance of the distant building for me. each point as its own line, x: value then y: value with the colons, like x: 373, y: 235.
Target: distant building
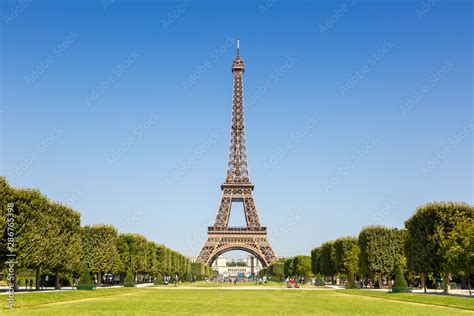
x: 231, y: 268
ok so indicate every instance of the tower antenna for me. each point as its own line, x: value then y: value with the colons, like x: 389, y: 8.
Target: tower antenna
x: 238, y: 46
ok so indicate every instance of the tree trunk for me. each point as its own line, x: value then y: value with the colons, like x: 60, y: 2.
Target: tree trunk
x: 38, y: 277
x: 57, y: 285
x: 15, y: 285
x: 469, y: 283
x: 99, y: 279
x: 379, y: 276
x: 446, y: 283
x: 423, y: 281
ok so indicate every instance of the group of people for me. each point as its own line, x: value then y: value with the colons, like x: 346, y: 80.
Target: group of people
x: 30, y: 282
x: 294, y: 282
x: 261, y: 280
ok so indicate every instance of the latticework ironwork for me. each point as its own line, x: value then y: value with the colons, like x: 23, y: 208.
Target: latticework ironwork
x: 237, y: 188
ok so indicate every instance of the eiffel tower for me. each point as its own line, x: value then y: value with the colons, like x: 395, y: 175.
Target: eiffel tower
x: 237, y: 187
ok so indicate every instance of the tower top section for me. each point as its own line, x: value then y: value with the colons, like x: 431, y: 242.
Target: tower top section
x: 238, y: 63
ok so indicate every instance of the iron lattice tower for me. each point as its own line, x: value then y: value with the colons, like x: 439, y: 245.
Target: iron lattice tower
x: 237, y: 188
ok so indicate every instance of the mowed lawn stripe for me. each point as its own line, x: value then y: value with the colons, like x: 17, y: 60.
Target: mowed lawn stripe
x: 427, y: 299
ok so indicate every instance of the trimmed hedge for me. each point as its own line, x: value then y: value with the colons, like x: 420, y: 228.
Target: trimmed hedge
x: 129, y: 281
x: 400, y: 285
x: 85, y: 282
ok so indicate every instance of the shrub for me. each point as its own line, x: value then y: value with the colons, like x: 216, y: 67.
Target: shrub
x: 129, y: 281
x: 351, y: 283
x: 320, y: 280
x: 400, y: 285
x: 159, y: 279
x: 85, y: 282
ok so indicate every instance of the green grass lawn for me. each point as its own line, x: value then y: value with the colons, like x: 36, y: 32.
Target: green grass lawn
x: 434, y: 299
x: 216, y: 284
x: 157, y: 300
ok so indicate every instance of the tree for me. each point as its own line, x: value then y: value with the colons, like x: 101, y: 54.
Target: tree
x: 302, y: 266
x: 151, y: 262
x: 288, y: 266
x: 34, y: 231
x: 123, y: 259
x: 346, y: 257
x: 100, y: 248
x: 277, y: 270
x: 379, y: 248
x: 327, y: 262
x: 315, y: 260
x: 439, y: 240
x: 137, y: 245
x: 65, y: 231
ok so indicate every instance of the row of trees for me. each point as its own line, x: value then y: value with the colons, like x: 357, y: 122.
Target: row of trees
x: 48, y: 237
x: 437, y: 240
x: 298, y: 266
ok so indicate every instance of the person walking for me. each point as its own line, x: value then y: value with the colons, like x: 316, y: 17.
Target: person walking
x: 26, y: 284
x: 31, y: 284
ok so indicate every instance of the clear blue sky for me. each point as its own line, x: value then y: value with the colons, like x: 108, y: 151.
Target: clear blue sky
x: 357, y: 112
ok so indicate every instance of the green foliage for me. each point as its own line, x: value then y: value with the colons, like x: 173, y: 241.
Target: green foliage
x: 123, y: 260
x: 320, y: 280
x: 85, y: 282
x: 327, y: 261
x: 137, y: 245
x: 315, y: 260
x: 400, y: 285
x: 158, y: 280
x: 351, y: 283
x: 237, y: 264
x: 379, y: 248
x: 302, y: 266
x: 346, y: 255
x: 277, y: 270
x: 288, y: 267
x: 440, y: 239
x: 100, y: 247
x: 49, y: 239
x: 66, y: 231
x: 129, y: 280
